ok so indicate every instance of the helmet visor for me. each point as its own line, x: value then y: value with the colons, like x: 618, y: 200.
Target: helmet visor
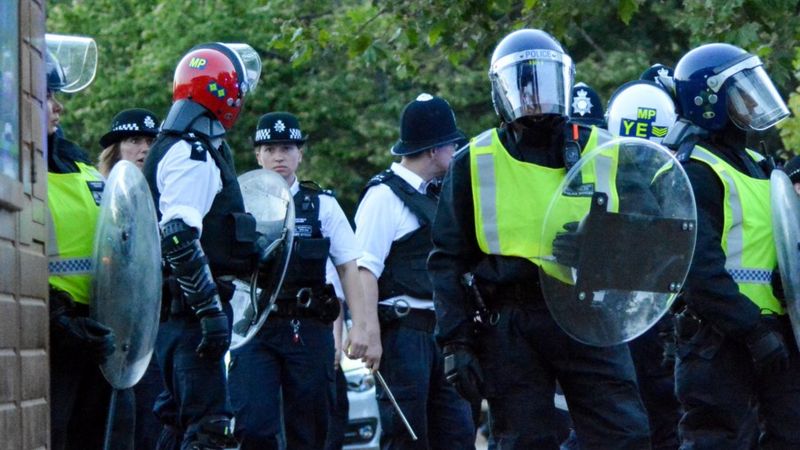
x: 78, y: 59
x: 251, y: 63
x: 533, y: 83
x: 753, y: 101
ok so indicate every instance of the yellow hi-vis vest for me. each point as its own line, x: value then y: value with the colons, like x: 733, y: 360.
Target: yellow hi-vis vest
x: 74, y: 203
x: 511, y: 197
x: 750, y: 255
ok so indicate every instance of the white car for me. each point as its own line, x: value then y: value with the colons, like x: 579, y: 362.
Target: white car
x: 363, y: 431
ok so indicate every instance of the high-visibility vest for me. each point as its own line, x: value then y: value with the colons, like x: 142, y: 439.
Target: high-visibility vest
x: 750, y: 255
x: 74, y: 203
x: 511, y: 197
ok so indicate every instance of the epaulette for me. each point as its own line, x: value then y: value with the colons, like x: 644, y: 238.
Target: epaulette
x: 198, y: 145
x: 380, y: 178
x: 314, y: 187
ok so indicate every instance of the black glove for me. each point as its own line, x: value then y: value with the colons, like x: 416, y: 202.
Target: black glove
x: 216, y: 335
x: 767, y: 349
x: 87, y: 335
x: 462, y: 370
x: 566, y: 245
x: 266, y: 249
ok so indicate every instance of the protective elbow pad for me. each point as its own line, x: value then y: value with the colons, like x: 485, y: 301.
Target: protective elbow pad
x: 180, y: 247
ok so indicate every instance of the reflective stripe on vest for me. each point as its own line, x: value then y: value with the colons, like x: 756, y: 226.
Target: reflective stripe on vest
x: 510, y: 197
x: 747, y: 240
x: 73, y: 201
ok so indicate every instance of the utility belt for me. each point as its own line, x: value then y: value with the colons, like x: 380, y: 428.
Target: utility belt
x: 489, y: 298
x: 308, y: 304
x: 401, y: 315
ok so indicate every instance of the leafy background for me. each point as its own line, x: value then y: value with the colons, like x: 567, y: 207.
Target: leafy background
x: 347, y: 67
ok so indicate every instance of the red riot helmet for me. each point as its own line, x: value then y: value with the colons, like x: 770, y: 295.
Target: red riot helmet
x: 217, y: 76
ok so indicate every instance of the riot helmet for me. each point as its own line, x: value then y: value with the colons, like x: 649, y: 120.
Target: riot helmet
x: 531, y: 75
x: 70, y: 62
x: 718, y: 82
x: 217, y: 76
x: 586, y: 108
x: 641, y: 109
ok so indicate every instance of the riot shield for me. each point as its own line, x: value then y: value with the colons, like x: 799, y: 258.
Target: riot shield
x: 786, y: 229
x: 127, y: 280
x: 266, y: 196
x: 627, y: 211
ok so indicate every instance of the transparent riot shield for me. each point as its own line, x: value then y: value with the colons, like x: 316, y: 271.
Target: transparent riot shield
x: 266, y: 196
x: 127, y: 280
x: 618, y: 238
x: 78, y: 58
x: 786, y: 230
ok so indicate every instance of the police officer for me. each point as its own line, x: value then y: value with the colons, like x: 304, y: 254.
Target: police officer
x: 79, y: 394
x: 644, y: 109
x: 206, y: 239
x: 293, y: 354
x: 736, y: 352
x: 515, y: 359
x: 393, y: 222
x: 129, y: 138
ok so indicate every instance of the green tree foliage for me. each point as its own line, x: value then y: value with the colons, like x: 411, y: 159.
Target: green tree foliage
x: 347, y: 67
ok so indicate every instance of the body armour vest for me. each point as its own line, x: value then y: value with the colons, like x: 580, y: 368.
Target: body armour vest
x: 405, y: 270
x: 310, y: 249
x: 747, y: 240
x: 229, y: 234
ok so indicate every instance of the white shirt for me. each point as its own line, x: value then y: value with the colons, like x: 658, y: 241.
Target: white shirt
x: 187, y: 186
x: 334, y: 225
x: 383, y: 218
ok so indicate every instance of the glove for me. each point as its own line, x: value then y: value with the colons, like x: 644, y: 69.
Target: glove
x: 566, y: 245
x: 767, y: 349
x: 216, y: 335
x: 461, y: 369
x: 88, y: 335
x: 266, y: 249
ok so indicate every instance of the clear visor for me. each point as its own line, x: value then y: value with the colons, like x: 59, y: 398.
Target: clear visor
x: 78, y: 58
x: 533, y: 87
x: 753, y: 101
x: 251, y: 63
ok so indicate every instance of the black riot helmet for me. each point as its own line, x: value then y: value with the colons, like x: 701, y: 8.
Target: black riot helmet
x: 531, y: 76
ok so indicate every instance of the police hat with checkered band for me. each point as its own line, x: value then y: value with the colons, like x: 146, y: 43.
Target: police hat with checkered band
x: 426, y: 122
x: 278, y: 128
x: 128, y: 123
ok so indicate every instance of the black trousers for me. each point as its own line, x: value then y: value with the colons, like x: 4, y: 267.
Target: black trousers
x: 524, y: 354
x: 727, y: 404
x: 79, y: 399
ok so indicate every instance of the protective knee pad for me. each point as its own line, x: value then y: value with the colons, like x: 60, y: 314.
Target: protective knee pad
x: 213, y: 433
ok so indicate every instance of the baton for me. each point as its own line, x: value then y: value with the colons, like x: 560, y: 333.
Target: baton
x: 396, y: 406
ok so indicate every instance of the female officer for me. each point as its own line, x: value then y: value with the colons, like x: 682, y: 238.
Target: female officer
x: 293, y: 353
x: 130, y: 137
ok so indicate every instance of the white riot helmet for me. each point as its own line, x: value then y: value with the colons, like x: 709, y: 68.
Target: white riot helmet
x: 641, y: 109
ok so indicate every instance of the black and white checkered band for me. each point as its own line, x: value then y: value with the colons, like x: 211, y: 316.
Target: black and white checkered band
x: 263, y: 135
x: 294, y: 133
x: 126, y: 127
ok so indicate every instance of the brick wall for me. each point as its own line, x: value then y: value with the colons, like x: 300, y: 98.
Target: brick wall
x: 24, y: 371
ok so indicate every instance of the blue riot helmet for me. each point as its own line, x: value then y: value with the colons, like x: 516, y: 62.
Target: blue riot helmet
x: 56, y: 79
x: 717, y: 82
x: 641, y: 109
x: 531, y: 75
x: 586, y: 108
